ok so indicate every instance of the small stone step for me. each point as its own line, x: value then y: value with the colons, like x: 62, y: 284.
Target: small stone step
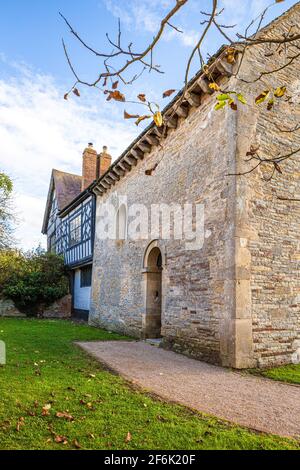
x: 154, y: 342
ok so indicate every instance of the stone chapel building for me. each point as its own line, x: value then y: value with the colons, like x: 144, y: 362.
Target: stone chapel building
x: 236, y: 301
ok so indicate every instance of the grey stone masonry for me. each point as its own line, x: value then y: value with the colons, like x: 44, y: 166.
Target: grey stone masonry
x: 236, y: 301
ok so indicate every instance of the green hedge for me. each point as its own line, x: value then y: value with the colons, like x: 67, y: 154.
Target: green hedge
x: 32, y: 280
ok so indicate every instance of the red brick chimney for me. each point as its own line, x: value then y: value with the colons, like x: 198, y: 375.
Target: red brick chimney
x: 104, y: 162
x: 89, y: 166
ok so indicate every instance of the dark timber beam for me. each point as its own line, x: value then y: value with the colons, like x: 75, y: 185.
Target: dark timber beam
x: 137, y: 153
x: 152, y: 139
x: 193, y: 98
x: 146, y: 148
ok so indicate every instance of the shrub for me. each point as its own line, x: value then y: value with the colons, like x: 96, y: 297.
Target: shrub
x: 33, y: 281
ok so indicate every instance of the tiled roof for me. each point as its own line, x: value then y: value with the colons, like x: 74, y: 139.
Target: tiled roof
x: 67, y: 187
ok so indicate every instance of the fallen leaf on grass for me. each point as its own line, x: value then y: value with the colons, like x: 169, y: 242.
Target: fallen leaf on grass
x: 162, y: 418
x: 20, y: 423
x: 61, y: 440
x: 64, y: 415
x: 76, y: 444
x: 128, y: 438
x: 46, y: 409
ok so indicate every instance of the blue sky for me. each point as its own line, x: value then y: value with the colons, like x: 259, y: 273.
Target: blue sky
x: 38, y: 129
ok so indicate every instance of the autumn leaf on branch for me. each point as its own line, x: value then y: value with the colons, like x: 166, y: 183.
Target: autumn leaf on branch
x: 277, y: 167
x: 130, y: 116
x: 142, y: 118
x: 76, y: 92
x: 241, y: 98
x: 280, y: 92
x: 115, y: 95
x: 142, y: 97
x: 230, y: 55
x: 168, y: 93
x: 158, y: 119
x: 214, y: 86
x: 231, y: 98
x: 274, y: 94
x: 253, y: 151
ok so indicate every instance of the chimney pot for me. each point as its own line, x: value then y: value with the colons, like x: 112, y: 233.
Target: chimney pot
x: 89, y: 166
x: 104, y: 162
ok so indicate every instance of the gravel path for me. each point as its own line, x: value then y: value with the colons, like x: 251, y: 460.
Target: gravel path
x: 250, y: 401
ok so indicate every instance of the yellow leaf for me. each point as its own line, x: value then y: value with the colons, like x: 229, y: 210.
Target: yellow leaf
x: 141, y: 118
x: 280, y: 91
x: 270, y: 105
x: 214, y: 86
x: 262, y: 97
x: 230, y: 55
x: 241, y: 98
x: 223, y: 97
x: 158, y: 119
x: 220, y: 105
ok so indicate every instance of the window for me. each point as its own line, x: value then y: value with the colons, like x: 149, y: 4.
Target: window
x: 53, y: 211
x: 52, y: 243
x: 121, y: 223
x: 86, y: 277
x: 75, y: 231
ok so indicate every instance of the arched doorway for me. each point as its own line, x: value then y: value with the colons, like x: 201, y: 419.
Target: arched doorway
x: 153, y: 283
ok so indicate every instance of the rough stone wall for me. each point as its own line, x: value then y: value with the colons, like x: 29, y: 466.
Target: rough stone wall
x: 8, y: 309
x: 60, y: 309
x: 236, y: 301
x: 197, y: 285
x: 268, y: 226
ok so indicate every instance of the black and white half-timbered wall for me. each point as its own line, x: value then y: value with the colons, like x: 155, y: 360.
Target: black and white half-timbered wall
x: 69, y: 224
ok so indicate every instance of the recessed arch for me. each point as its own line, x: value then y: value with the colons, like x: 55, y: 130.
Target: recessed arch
x: 121, y: 223
x: 153, y: 267
x: 149, y: 258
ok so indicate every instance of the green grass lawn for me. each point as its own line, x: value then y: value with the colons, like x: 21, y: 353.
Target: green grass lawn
x: 46, y: 375
x: 289, y: 373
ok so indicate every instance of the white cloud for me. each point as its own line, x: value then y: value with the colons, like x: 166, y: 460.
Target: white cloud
x: 40, y: 131
x: 146, y: 17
